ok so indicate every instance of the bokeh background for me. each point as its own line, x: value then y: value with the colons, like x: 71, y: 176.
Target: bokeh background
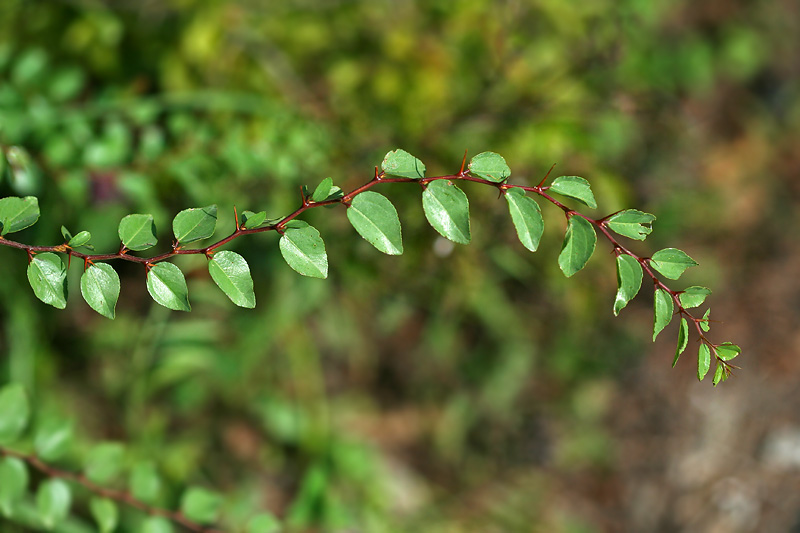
x: 454, y: 388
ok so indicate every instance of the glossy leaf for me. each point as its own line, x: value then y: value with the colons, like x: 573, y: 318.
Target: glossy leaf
x: 13, y: 483
x: 323, y: 190
x: 374, y: 217
x: 53, y: 499
x: 527, y: 218
x: 447, y: 210
x: 195, y: 224
x: 401, y: 163
x: 18, y: 213
x: 253, y: 220
x: 14, y: 412
x: 304, y: 250
x: 167, y: 285
x: 719, y: 374
x: 104, y: 462
x: 574, y: 187
x: 47, y: 275
x: 200, y: 505
x: 80, y: 239
x: 490, y: 166
x: 100, y: 288
x: 263, y: 523
x: 683, y: 340
x: 231, y: 273
x: 693, y: 296
x: 66, y: 234
x: 632, y: 223
x: 578, y: 246
x: 629, y: 281
x: 663, y: 308
x: 145, y: 484
x: 138, y: 232
x: 53, y: 438
x: 727, y: 351
x: 705, y: 325
x: 156, y: 524
x: 671, y: 262
x: 105, y: 513
x: 703, y: 361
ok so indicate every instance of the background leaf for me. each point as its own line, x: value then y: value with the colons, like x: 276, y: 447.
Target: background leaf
x: 401, y: 163
x: 632, y: 223
x: 671, y: 262
x: 263, y: 523
x: 18, y: 213
x: 663, y: 308
x: 138, y: 232
x: 100, y: 288
x: 527, y: 217
x: 53, y: 499
x: 105, y: 513
x: 14, y: 412
x: 14, y: 482
x: 304, y: 251
x: 578, y: 246
x: 47, y: 275
x: 195, y: 224
x: 200, y: 505
x: 374, y: 217
x: 231, y: 273
x: 104, y: 461
x: 167, y: 285
x: 629, y: 281
x: 156, y: 524
x: 145, y: 483
x: 574, y: 187
x: 490, y: 166
x: 53, y: 438
x: 447, y: 210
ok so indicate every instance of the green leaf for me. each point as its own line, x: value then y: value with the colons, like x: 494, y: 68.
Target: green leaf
x: 727, y: 351
x: 323, y: 190
x: 195, y: 224
x: 490, y: 166
x: 104, y: 462
x: 663, y: 307
x: 574, y: 187
x: 304, y: 250
x: 52, y: 501
x: 18, y: 213
x: 629, y: 281
x: 145, y: 484
x: 705, y: 325
x: 156, y: 524
x: 578, y: 246
x: 719, y: 374
x: 53, y: 438
x: 100, y: 288
x: 671, y: 262
x: 200, y: 505
x: 253, y: 220
x: 693, y: 296
x: 105, y: 513
x: 80, y: 239
x: 66, y: 234
x: 14, y: 477
x: 447, y: 210
x: 231, y: 273
x: 263, y: 523
x: 14, y: 412
x: 374, y: 217
x: 527, y: 217
x: 401, y: 163
x: 632, y: 224
x: 167, y: 286
x: 47, y: 275
x: 683, y: 340
x: 703, y: 361
x: 138, y: 232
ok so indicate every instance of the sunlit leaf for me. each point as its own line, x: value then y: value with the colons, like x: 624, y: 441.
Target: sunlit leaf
x: 447, y: 210
x: 703, y: 361
x: 18, y: 213
x: 629, y: 281
x: 490, y: 166
x: 671, y: 262
x: 167, y: 285
x: 253, y: 220
x: 374, y: 217
x: 304, y: 251
x: 727, y: 351
x: 80, y: 239
x: 231, y: 273
x: 574, y: 187
x: 663, y: 307
x: 632, y: 224
x: 693, y: 296
x: 719, y: 374
x: 195, y: 224
x: 705, y: 324
x: 138, y: 232
x: 47, y: 275
x: 323, y: 190
x: 401, y: 163
x: 527, y: 218
x: 100, y: 288
x: 683, y: 340
x: 578, y: 246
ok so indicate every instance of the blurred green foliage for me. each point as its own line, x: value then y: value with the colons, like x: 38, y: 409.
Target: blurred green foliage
x: 449, y: 389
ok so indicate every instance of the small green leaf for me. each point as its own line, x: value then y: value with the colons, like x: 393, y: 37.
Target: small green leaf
x: 703, y: 361
x: 53, y: 500
x: 527, y: 217
x: 574, y: 187
x: 66, y: 234
x: 490, y: 166
x: 100, y: 288
x: 663, y: 307
x: 705, y: 325
x: 53, y: 438
x: 727, y: 351
x: 200, y: 505
x: 195, y: 224
x: 323, y: 190
x: 14, y: 477
x: 138, y: 232
x: 629, y: 281
x: 105, y: 513
x: 167, y: 285
x: 156, y: 524
x: 253, y: 220
x: 104, y: 462
x: 374, y: 217
x: 632, y: 224
x: 14, y: 412
x: 578, y: 246
x: 401, y: 163
x: 719, y: 374
x: 80, y: 239
x: 671, y: 262
x: 447, y: 210
x: 145, y: 484
x: 693, y: 296
x: 304, y: 250
x: 263, y: 523
x: 231, y: 273
x: 47, y: 275
x: 18, y: 213
x: 683, y: 340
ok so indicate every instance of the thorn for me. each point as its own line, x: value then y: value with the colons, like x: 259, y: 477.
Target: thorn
x: 69, y: 259
x: 377, y: 175
x: 546, y: 175
x: 236, y: 217
x: 303, y: 197
x: 463, y: 162
x: 86, y: 263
